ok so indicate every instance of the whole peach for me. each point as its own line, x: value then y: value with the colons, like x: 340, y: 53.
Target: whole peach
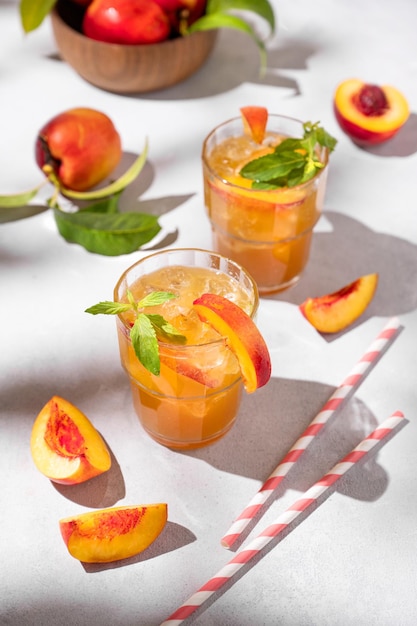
x: 126, y: 22
x: 81, y: 145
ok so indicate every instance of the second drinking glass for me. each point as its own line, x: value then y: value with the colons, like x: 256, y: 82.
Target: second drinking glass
x: 268, y: 232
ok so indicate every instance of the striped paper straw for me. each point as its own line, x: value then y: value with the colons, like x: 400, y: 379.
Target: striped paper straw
x: 311, y: 498
x: 340, y: 395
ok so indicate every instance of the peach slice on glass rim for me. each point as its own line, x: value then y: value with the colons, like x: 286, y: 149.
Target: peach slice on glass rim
x: 369, y: 114
x: 254, y: 119
x: 241, y: 335
x: 65, y: 446
x: 334, y: 312
x: 112, y: 534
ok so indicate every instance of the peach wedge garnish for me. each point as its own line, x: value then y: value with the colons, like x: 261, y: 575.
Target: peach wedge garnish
x: 334, y: 312
x: 65, y: 446
x: 254, y: 120
x: 241, y: 335
x: 112, y: 534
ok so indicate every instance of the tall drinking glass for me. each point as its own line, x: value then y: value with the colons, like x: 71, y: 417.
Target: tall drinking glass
x: 267, y: 232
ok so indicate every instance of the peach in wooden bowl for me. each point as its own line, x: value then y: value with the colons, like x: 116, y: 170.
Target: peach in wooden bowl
x: 128, y: 69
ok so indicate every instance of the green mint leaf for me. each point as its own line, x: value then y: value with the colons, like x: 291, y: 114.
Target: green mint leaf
x: 145, y: 343
x: 164, y: 329
x: 109, y: 234
x: 131, y: 300
x: 296, y: 177
x: 293, y: 162
x: 155, y: 298
x: 268, y: 167
x: 288, y: 144
x: 33, y: 12
x: 325, y: 139
x: 146, y: 329
x: 108, y: 308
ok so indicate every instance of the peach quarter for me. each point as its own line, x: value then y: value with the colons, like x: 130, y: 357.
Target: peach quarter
x: 112, y: 534
x: 334, y: 312
x: 65, y: 446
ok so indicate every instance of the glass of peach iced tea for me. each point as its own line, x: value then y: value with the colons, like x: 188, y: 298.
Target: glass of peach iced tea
x: 264, y: 185
x: 188, y: 343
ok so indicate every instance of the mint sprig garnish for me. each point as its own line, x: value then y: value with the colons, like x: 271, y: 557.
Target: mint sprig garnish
x: 293, y: 161
x: 147, y: 327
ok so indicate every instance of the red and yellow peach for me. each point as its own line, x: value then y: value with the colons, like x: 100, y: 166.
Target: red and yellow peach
x: 369, y: 114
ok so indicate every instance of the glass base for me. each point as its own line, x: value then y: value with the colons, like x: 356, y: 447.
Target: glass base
x: 188, y: 445
x: 269, y: 291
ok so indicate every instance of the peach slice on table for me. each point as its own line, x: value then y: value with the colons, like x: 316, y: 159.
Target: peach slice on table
x: 369, y: 114
x: 242, y: 337
x: 254, y: 122
x: 334, y: 312
x: 65, y: 446
x: 112, y: 534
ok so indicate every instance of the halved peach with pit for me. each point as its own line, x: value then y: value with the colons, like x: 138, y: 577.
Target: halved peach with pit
x: 65, y: 445
x: 112, y: 534
x: 369, y: 114
x: 241, y: 335
x: 254, y: 120
x: 334, y: 312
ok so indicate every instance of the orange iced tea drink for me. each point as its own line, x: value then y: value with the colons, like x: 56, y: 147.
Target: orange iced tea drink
x: 268, y: 232
x: 195, y: 398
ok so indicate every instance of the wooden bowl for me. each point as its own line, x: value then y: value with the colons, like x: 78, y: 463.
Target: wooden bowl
x: 128, y: 69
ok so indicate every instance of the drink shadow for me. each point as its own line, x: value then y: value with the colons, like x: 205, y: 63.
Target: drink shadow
x: 270, y: 422
x: 356, y: 250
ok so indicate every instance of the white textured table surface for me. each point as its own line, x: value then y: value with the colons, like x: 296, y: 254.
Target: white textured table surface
x: 353, y: 561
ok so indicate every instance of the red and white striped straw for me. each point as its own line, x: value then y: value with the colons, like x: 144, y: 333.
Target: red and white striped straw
x: 340, y: 395
x: 309, y: 500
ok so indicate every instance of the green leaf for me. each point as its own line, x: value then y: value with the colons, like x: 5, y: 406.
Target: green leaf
x: 19, y: 199
x: 109, y: 234
x: 145, y: 343
x: 296, y: 177
x: 223, y: 20
x: 106, y: 205
x: 108, y: 308
x: 325, y: 139
x: 260, y: 7
x: 293, y: 162
x: 146, y: 328
x: 33, y: 12
x: 115, y: 187
x: 155, y: 298
x: 268, y: 167
x: 164, y: 328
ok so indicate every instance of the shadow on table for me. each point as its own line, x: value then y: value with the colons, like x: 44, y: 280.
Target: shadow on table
x: 235, y: 60
x: 402, y: 145
x: 173, y: 537
x: 270, y: 422
x: 356, y: 250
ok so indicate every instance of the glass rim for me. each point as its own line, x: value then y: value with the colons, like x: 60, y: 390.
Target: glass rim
x: 180, y: 347
x: 279, y: 190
